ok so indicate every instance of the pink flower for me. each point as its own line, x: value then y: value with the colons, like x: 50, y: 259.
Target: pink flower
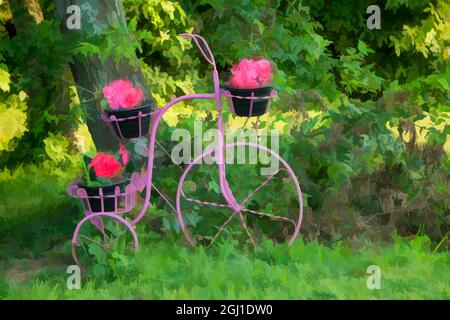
x: 124, y: 154
x: 112, y: 97
x: 105, y: 165
x: 121, y: 94
x: 251, y: 73
x: 131, y: 98
x: 264, y: 71
x: 244, y: 75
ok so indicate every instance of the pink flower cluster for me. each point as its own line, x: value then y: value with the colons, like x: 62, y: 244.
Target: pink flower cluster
x: 105, y: 165
x: 251, y: 73
x: 122, y: 95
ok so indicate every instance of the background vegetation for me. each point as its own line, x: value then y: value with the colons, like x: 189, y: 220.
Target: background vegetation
x: 364, y: 116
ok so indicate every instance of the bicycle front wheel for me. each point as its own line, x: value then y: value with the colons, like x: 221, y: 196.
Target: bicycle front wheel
x: 270, y: 201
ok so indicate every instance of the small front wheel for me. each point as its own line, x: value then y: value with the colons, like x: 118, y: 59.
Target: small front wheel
x: 100, y: 234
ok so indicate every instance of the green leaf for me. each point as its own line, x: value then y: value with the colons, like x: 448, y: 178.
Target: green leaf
x: 260, y: 26
x: 4, y: 80
x: 87, y: 49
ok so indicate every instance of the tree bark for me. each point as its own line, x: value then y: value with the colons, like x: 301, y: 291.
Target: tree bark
x: 91, y: 73
x: 26, y: 14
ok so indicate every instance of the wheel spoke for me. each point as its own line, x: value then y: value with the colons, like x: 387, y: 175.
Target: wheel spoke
x: 114, y: 239
x: 103, y: 231
x: 269, y: 215
x: 92, y: 240
x: 265, y: 182
x: 165, y: 198
x: 204, y: 203
x: 241, y: 218
x: 222, y: 227
x: 84, y: 248
x: 251, y: 194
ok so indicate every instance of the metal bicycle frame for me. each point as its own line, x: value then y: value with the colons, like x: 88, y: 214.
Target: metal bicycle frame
x: 218, y: 149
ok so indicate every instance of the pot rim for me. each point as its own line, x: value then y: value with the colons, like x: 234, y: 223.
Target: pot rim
x: 120, y: 182
x: 227, y: 85
x: 143, y: 106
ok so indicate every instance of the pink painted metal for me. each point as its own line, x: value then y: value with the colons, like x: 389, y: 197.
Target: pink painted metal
x: 125, y: 201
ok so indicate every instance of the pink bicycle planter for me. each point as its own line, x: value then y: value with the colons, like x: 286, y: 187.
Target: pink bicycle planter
x: 112, y: 226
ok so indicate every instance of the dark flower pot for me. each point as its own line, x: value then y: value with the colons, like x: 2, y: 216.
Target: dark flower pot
x: 130, y: 128
x: 242, y: 106
x: 108, y: 190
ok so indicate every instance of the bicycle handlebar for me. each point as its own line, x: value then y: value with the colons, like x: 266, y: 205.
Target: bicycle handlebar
x: 209, y: 57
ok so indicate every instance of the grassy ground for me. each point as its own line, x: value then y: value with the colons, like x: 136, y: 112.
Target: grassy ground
x: 165, y: 270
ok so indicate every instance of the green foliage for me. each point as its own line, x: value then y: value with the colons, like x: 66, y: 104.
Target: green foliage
x: 35, y: 60
x: 13, y: 115
x: 165, y: 270
x: 431, y: 37
x: 167, y: 60
x: 354, y: 76
x: 285, y: 34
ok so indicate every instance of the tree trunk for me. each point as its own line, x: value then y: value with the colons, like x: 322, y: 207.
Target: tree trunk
x: 26, y: 14
x: 90, y: 73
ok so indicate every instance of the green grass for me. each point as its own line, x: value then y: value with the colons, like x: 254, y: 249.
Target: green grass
x: 35, y: 211
x: 165, y: 270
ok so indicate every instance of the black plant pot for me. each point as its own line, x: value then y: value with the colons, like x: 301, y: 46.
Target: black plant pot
x: 130, y: 128
x: 242, y: 106
x: 108, y: 190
